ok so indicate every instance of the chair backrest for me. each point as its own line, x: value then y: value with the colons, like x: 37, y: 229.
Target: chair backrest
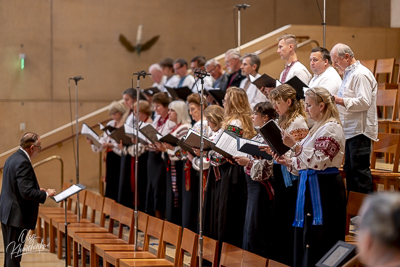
x: 106, y: 210
x: 210, y: 250
x: 354, y: 203
x: 272, y: 263
x: 89, y: 203
x: 172, y: 234
x: 388, y: 143
x: 97, y: 208
x: 253, y: 260
x: 143, y: 220
x: 72, y: 203
x: 155, y: 228
x: 385, y: 99
x: 231, y: 256
x: 370, y: 64
x: 189, y: 245
x: 124, y: 216
x: 385, y: 66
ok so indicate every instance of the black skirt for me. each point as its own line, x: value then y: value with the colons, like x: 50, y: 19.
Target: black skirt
x: 258, y: 221
x: 190, y: 201
x: 113, y: 164
x: 155, y: 194
x: 313, y: 241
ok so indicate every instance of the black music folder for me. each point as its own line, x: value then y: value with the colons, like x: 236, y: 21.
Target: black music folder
x: 72, y: 190
x: 298, y: 85
x: 263, y: 81
x: 168, y: 138
x: 149, y: 132
x: 251, y: 147
x: 272, y: 135
x: 216, y: 94
x: 119, y: 135
x: 180, y: 93
x: 185, y: 147
x: 151, y: 91
x: 192, y: 139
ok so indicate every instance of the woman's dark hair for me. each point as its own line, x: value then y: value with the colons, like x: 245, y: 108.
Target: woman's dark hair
x: 266, y: 108
x: 161, y: 98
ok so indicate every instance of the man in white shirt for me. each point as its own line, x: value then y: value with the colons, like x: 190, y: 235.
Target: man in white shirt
x: 250, y: 65
x: 167, y: 65
x: 287, y: 47
x: 356, y: 101
x: 198, y: 62
x: 324, y: 74
x: 181, y: 69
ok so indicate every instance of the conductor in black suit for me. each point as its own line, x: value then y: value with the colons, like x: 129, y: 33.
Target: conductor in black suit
x: 20, y: 198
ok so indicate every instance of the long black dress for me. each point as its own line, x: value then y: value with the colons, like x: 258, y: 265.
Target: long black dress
x: 113, y: 162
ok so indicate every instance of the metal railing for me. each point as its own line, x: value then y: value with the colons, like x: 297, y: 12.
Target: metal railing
x: 275, y: 45
x: 51, y: 158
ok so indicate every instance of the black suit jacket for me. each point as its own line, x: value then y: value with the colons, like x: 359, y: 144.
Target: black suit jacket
x: 20, y: 193
x: 237, y: 80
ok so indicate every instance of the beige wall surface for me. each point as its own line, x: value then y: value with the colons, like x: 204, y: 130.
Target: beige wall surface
x: 62, y: 39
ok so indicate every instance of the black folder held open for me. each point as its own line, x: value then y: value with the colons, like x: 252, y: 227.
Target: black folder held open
x: 272, y: 135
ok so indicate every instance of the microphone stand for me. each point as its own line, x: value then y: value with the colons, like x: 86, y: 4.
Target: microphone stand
x: 324, y: 25
x: 201, y: 75
x: 239, y: 7
x: 76, y: 79
x: 138, y: 74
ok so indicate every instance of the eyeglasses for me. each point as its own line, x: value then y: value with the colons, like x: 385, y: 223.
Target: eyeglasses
x: 39, y: 147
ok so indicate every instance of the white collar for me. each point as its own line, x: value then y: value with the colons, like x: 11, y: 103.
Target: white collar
x: 26, y: 154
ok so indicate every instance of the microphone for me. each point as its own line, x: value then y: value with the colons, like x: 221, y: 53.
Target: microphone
x: 242, y: 6
x: 201, y: 73
x: 141, y: 73
x: 76, y: 78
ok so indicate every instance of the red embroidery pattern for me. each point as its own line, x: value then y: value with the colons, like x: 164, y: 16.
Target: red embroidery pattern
x: 299, y: 134
x: 329, y: 146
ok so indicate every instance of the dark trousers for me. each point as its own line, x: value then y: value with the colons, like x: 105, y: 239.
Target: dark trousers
x: 12, y: 245
x: 357, y: 163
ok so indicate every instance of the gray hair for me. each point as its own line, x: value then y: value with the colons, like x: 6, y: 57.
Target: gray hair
x: 155, y: 66
x: 341, y: 50
x: 212, y: 62
x: 381, y: 217
x: 233, y: 53
x: 181, y: 109
x: 254, y: 60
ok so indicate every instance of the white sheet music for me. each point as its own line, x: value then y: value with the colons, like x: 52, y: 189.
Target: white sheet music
x: 89, y: 133
x: 228, y: 144
x: 243, y: 141
x: 132, y: 132
x: 67, y: 193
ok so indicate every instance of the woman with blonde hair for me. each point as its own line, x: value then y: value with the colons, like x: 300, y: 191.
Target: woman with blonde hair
x: 292, y: 120
x: 144, y: 116
x: 232, y: 191
x: 113, y: 153
x: 320, y: 215
x: 178, y: 113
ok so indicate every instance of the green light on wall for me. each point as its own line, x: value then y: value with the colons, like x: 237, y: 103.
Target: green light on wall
x: 22, y: 60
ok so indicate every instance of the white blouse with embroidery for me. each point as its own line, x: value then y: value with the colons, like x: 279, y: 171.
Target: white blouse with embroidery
x: 323, y: 149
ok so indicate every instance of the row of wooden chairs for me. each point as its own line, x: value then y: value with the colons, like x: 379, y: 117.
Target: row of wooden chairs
x: 119, y: 252
x: 384, y: 67
x: 99, y: 241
